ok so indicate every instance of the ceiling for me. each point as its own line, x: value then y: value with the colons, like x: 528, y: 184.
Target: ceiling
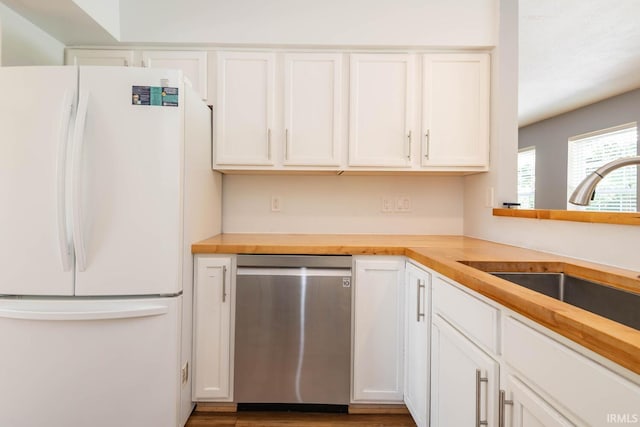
x: 572, y: 52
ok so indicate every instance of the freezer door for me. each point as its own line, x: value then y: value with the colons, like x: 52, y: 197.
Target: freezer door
x: 127, y: 177
x: 89, y: 363
x: 35, y: 116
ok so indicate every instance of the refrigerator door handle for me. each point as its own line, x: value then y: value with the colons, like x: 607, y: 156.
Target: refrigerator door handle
x: 63, y: 139
x: 129, y: 312
x: 76, y: 185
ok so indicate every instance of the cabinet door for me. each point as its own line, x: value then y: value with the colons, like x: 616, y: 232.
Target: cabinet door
x: 214, y: 296
x: 567, y: 379
x: 114, y: 57
x: 381, y: 110
x: 416, y: 379
x: 244, y: 109
x: 464, y: 379
x: 378, y: 330
x: 192, y: 63
x: 524, y: 408
x: 312, y: 109
x: 455, y: 121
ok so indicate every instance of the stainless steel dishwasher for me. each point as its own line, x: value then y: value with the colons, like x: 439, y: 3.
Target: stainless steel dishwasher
x: 293, y: 329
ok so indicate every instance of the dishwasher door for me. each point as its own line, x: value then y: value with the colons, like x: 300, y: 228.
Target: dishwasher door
x: 293, y: 330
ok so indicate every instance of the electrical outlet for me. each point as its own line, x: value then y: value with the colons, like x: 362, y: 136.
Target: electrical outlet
x: 276, y: 203
x: 403, y: 204
x: 489, y: 198
x: 387, y: 204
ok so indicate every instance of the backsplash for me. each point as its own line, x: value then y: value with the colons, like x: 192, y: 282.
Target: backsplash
x: 342, y: 204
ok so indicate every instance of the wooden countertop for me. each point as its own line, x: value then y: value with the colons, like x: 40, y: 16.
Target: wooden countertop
x: 455, y: 257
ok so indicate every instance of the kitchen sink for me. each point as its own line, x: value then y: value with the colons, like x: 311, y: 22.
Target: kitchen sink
x: 612, y: 303
x: 620, y: 305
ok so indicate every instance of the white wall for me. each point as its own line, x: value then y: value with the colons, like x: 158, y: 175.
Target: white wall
x: 341, y: 204
x: 104, y: 12
x: 25, y: 44
x: 609, y: 244
x: 311, y: 22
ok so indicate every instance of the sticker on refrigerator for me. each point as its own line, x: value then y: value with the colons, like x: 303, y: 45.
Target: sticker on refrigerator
x: 154, y: 95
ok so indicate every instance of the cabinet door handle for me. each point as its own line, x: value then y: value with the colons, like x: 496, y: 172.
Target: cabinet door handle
x: 479, y: 381
x: 421, y: 285
x: 502, y: 401
x: 409, y: 137
x: 224, y: 283
x: 426, y: 144
x: 269, y: 143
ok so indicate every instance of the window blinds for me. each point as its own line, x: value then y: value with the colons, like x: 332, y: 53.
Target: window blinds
x: 527, y: 178
x: 617, y: 191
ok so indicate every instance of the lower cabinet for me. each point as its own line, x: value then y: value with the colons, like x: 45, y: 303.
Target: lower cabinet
x: 464, y: 379
x: 378, y: 329
x: 214, y: 299
x: 566, y: 381
x: 453, y: 356
x: 534, y: 378
x: 527, y: 408
x: 416, y: 343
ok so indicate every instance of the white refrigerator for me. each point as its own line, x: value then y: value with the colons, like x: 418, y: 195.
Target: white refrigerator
x: 105, y: 181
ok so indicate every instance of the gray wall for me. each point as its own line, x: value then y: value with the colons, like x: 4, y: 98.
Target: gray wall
x: 550, y: 139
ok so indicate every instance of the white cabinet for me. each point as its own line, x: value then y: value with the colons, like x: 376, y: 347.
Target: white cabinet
x: 580, y: 388
x: 312, y: 109
x: 260, y: 126
x: 464, y: 379
x: 534, y: 378
x: 378, y: 329
x: 455, y: 112
x: 244, y: 108
x: 416, y: 343
x: 192, y: 63
x: 464, y: 366
x: 381, y: 110
x: 214, y: 298
x: 115, y: 57
x: 524, y: 408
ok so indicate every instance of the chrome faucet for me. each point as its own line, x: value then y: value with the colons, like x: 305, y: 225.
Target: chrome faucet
x: 584, y: 191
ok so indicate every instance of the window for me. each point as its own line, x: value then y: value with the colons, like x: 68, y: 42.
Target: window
x: 527, y: 177
x: 617, y: 191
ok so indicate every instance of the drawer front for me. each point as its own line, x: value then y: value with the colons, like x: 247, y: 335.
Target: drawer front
x: 588, y: 390
x: 475, y: 318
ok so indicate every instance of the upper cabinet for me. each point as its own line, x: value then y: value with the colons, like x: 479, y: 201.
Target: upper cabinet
x: 455, y: 110
x: 108, y: 57
x: 244, y: 109
x: 192, y: 63
x: 278, y: 111
x: 381, y: 110
x: 312, y: 109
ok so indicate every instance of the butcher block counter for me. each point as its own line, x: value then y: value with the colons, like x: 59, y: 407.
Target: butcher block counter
x: 461, y: 259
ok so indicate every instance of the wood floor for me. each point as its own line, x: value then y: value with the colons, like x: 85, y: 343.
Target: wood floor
x: 296, y: 419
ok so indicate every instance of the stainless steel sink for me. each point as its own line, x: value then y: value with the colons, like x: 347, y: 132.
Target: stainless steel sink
x: 612, y: 303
